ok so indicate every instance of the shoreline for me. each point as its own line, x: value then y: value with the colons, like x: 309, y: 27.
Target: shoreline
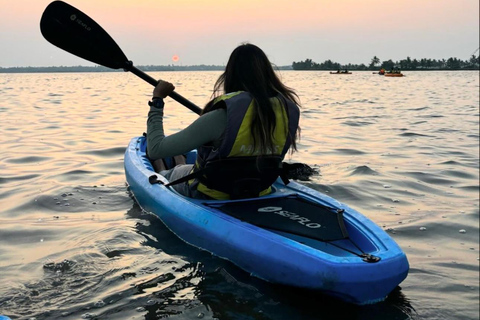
x: 85, y: 69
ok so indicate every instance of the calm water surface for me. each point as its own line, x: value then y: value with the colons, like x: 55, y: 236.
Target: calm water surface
x: 74, y: 245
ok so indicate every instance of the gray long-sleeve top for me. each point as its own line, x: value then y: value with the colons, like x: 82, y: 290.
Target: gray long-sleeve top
x: 208, y: 128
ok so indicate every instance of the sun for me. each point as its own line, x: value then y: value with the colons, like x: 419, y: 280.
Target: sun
x: 175, y: 58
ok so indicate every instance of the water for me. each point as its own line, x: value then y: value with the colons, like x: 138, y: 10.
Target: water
x: 73, y: 243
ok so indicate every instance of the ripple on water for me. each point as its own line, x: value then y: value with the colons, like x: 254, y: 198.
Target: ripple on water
x: 350, y: 151
x: 357, y: 123
x: 413, y: 134
x: 30, y: 159
x: 447, y: 231
x: 109, y: 152
x: 4, y: 180
x: 363, y: 170
x: 459, y: 174
x: 474, y: 189
x: 430, y: 178
x: 80, y: 199
x: 69, y: 276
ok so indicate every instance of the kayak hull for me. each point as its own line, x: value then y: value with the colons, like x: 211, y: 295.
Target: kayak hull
x: 393, y: 74
x: 274, y: 256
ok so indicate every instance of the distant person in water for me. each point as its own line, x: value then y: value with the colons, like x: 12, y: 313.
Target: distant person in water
x: 252, y: 115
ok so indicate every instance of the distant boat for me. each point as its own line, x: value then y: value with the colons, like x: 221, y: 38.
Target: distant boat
x: 341, y: 72
x: 393, y: 74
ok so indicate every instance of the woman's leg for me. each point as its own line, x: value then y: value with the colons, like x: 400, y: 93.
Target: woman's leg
x: 159, y: 164
x: 178, y: 172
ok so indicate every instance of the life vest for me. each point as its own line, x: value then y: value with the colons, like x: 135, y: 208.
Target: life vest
x: 238, y: 141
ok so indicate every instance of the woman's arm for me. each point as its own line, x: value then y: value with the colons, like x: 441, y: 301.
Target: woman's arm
x: 207, y: 128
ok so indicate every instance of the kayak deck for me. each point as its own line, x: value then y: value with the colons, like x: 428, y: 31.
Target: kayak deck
x: 358, y: 262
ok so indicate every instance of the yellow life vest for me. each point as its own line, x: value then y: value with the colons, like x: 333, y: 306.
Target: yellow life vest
x: 238, y: 140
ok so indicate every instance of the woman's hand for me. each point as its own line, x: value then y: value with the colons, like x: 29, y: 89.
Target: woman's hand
x: 163, y: 89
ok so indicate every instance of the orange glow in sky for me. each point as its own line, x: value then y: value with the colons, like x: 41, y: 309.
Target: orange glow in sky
x: 205, y: 32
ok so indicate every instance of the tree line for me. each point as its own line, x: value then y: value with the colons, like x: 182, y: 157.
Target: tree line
x: 375, y: 64
x: 405, y: 64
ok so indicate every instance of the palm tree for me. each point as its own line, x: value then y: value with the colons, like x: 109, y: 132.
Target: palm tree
x: 375, y: 61
x: 473, y: 61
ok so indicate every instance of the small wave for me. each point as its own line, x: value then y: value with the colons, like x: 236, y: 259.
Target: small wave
x: 445, y: 130
x: 315, y: 111
x: 358, y: 117
x: 413, y: 134
x: 52, y: 101
x: 350, y: 151
x: 52, y: 127
x: 363, y: 170
x: 433, y: 116
x: 357, y: 123
x: 419, y: 122
x: 18, y: 178
x: 475, y: 189
x: 456, y: 266
x: 430, y: 178
x: 419, y: 109
x: 105, y: 152
x: 451, y: 162
x: 28, y: 159
x: 78, y: 172
x: 459, y: 174
x: 80, y: 199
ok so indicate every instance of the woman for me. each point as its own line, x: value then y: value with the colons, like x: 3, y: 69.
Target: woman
x: 253, y: 115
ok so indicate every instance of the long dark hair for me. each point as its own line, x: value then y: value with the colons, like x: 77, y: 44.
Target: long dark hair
x: 248, y: 69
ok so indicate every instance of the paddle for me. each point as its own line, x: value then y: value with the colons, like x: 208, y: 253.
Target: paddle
x: 73, y: 31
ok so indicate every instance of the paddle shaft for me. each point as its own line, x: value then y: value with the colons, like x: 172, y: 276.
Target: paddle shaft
x: 175, y: 96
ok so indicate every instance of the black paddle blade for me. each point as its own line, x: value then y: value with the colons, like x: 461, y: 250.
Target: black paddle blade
x: 299, y: 171
x: 72, y: 30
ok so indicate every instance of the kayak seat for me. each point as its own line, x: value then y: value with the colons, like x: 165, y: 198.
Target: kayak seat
x: 240, y: 177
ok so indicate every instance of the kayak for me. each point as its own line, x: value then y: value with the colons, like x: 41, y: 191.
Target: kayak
x: 295, y: 236
x: 340, y: 73
x: 393, y: 74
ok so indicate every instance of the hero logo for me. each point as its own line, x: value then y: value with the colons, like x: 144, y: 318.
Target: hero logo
x: 292, y: 216
x: 73, y: 17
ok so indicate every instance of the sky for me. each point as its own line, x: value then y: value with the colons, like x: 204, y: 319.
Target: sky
x: 153, y: 32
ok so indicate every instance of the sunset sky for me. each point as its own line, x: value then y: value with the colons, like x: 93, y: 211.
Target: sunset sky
x: 206, y: 31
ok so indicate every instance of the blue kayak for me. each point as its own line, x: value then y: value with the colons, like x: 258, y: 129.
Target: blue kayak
x: 295, y: 236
